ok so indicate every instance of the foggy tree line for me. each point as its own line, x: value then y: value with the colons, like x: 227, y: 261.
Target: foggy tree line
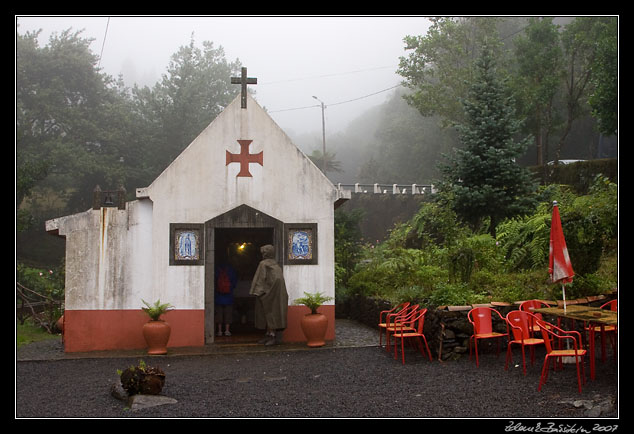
x: 562, y: 73
x: 77, y: 127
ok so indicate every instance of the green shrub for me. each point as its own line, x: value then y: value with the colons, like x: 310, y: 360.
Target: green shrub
x: 49, y: 285
x: 437, y: 224
x: 456, y: 267
x: 586, y: 286
x: 472, y: 253
x: 414, y: 294
x: 455, y: 294
x: 510, y: 287
x: 589, y: 224
x: 524, y: 242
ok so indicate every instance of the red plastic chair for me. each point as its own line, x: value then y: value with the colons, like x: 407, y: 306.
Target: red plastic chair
x: 551, y: 332
x: 402, y: 321
x: 606, y: 331
x: 418, y: 321
x: 387, y: 318
x: 482, y: 321
x: 530, y: 306
x: 519, y: 324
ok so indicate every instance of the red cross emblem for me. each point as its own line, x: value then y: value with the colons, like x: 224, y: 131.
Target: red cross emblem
x: 244, y: 158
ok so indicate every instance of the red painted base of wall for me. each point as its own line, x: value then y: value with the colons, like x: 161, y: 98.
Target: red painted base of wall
x: 96, y: 330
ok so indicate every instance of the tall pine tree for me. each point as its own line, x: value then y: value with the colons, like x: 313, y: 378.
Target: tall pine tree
x: 483, y: 179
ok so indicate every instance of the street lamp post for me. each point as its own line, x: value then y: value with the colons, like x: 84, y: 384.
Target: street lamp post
x: 323, y: 133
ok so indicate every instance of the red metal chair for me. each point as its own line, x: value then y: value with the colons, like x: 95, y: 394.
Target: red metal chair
x: 482, y: 321
x: 530, y: 306
x: 519, y: 325
x: 387, y: 318
x: 417, y: 321
x: 605, y: 331
x: 403, y: 321
x: 551, y: 332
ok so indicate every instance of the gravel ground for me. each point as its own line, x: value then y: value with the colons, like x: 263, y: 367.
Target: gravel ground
x: 330, y: 382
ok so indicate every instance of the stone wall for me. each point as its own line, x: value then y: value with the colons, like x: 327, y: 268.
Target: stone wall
x: 447, y: 328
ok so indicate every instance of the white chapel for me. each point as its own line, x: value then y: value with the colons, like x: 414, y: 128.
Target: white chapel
x: 239, y: 185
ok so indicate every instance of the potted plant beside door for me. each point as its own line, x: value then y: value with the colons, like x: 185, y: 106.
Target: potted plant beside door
x: 314, y: 324
x: 156, y: 331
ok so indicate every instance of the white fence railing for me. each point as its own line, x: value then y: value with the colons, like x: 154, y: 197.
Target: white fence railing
x: 387, y: 188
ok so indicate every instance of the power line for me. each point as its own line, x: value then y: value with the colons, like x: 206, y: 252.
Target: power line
x: 352, y: 72
x: 365, y: 96
x: 296, y: 108
x: 337, y: 103
x: 104, y: 43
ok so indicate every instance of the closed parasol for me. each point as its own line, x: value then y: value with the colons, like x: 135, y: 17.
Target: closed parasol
x: 559, y: 265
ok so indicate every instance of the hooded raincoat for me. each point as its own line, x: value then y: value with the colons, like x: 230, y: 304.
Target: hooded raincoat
x: 268, y: 286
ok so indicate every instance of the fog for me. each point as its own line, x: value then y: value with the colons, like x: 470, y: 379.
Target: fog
x: 336, y: 59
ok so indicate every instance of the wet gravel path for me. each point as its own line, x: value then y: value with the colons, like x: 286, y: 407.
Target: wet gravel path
x: 332, y: 382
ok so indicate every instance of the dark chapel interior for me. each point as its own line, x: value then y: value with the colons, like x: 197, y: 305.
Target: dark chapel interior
x: 240, y: 248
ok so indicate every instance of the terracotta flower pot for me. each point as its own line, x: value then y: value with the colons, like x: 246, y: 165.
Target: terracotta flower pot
x: 156, y: 334
x: 314, y: 326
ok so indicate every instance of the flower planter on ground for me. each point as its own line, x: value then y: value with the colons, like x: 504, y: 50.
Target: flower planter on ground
x: 157, y: 335
x: 314, y: 327
x: 314, y: 324
x: 157, y: 331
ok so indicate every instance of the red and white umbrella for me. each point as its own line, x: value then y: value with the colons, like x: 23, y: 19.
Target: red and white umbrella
x: 559, y: 265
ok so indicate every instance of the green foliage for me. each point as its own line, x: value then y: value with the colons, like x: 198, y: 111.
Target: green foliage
x: 313, y: 300
x: 581, y: 175
x: 538, y: 79
x: 347, y: 243
x: 555, y: 72
x: 71, y: 117
x: 194, y: 90
x: 436, y: 223
x: 605, y: 66
x: 155, y: 310
x: 484, y: 177
x: 589, y: 224
x: 42, y: 286
x: 441, y: 63
x: 389, y: 271
x: 470, y: 253
x: 456, y: 294
x: 511, y: 287
x: 332, y: 165
x: 48, y: 283
x: 524, y: 241
x: 477, y: 268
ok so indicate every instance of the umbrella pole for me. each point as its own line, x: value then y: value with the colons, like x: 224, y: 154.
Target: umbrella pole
x: 566, y: 359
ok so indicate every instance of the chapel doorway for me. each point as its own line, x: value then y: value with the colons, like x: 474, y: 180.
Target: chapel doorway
x: 236, y: 237
x: 240, y: 249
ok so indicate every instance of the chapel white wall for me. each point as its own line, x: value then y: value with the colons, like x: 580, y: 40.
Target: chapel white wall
x: 108, y: 257
x: 199, y: 186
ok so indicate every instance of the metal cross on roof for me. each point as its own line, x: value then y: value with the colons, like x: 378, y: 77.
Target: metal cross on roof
x: 243, y: 80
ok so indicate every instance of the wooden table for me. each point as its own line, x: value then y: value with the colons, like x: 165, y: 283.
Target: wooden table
x: 592, y: 315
